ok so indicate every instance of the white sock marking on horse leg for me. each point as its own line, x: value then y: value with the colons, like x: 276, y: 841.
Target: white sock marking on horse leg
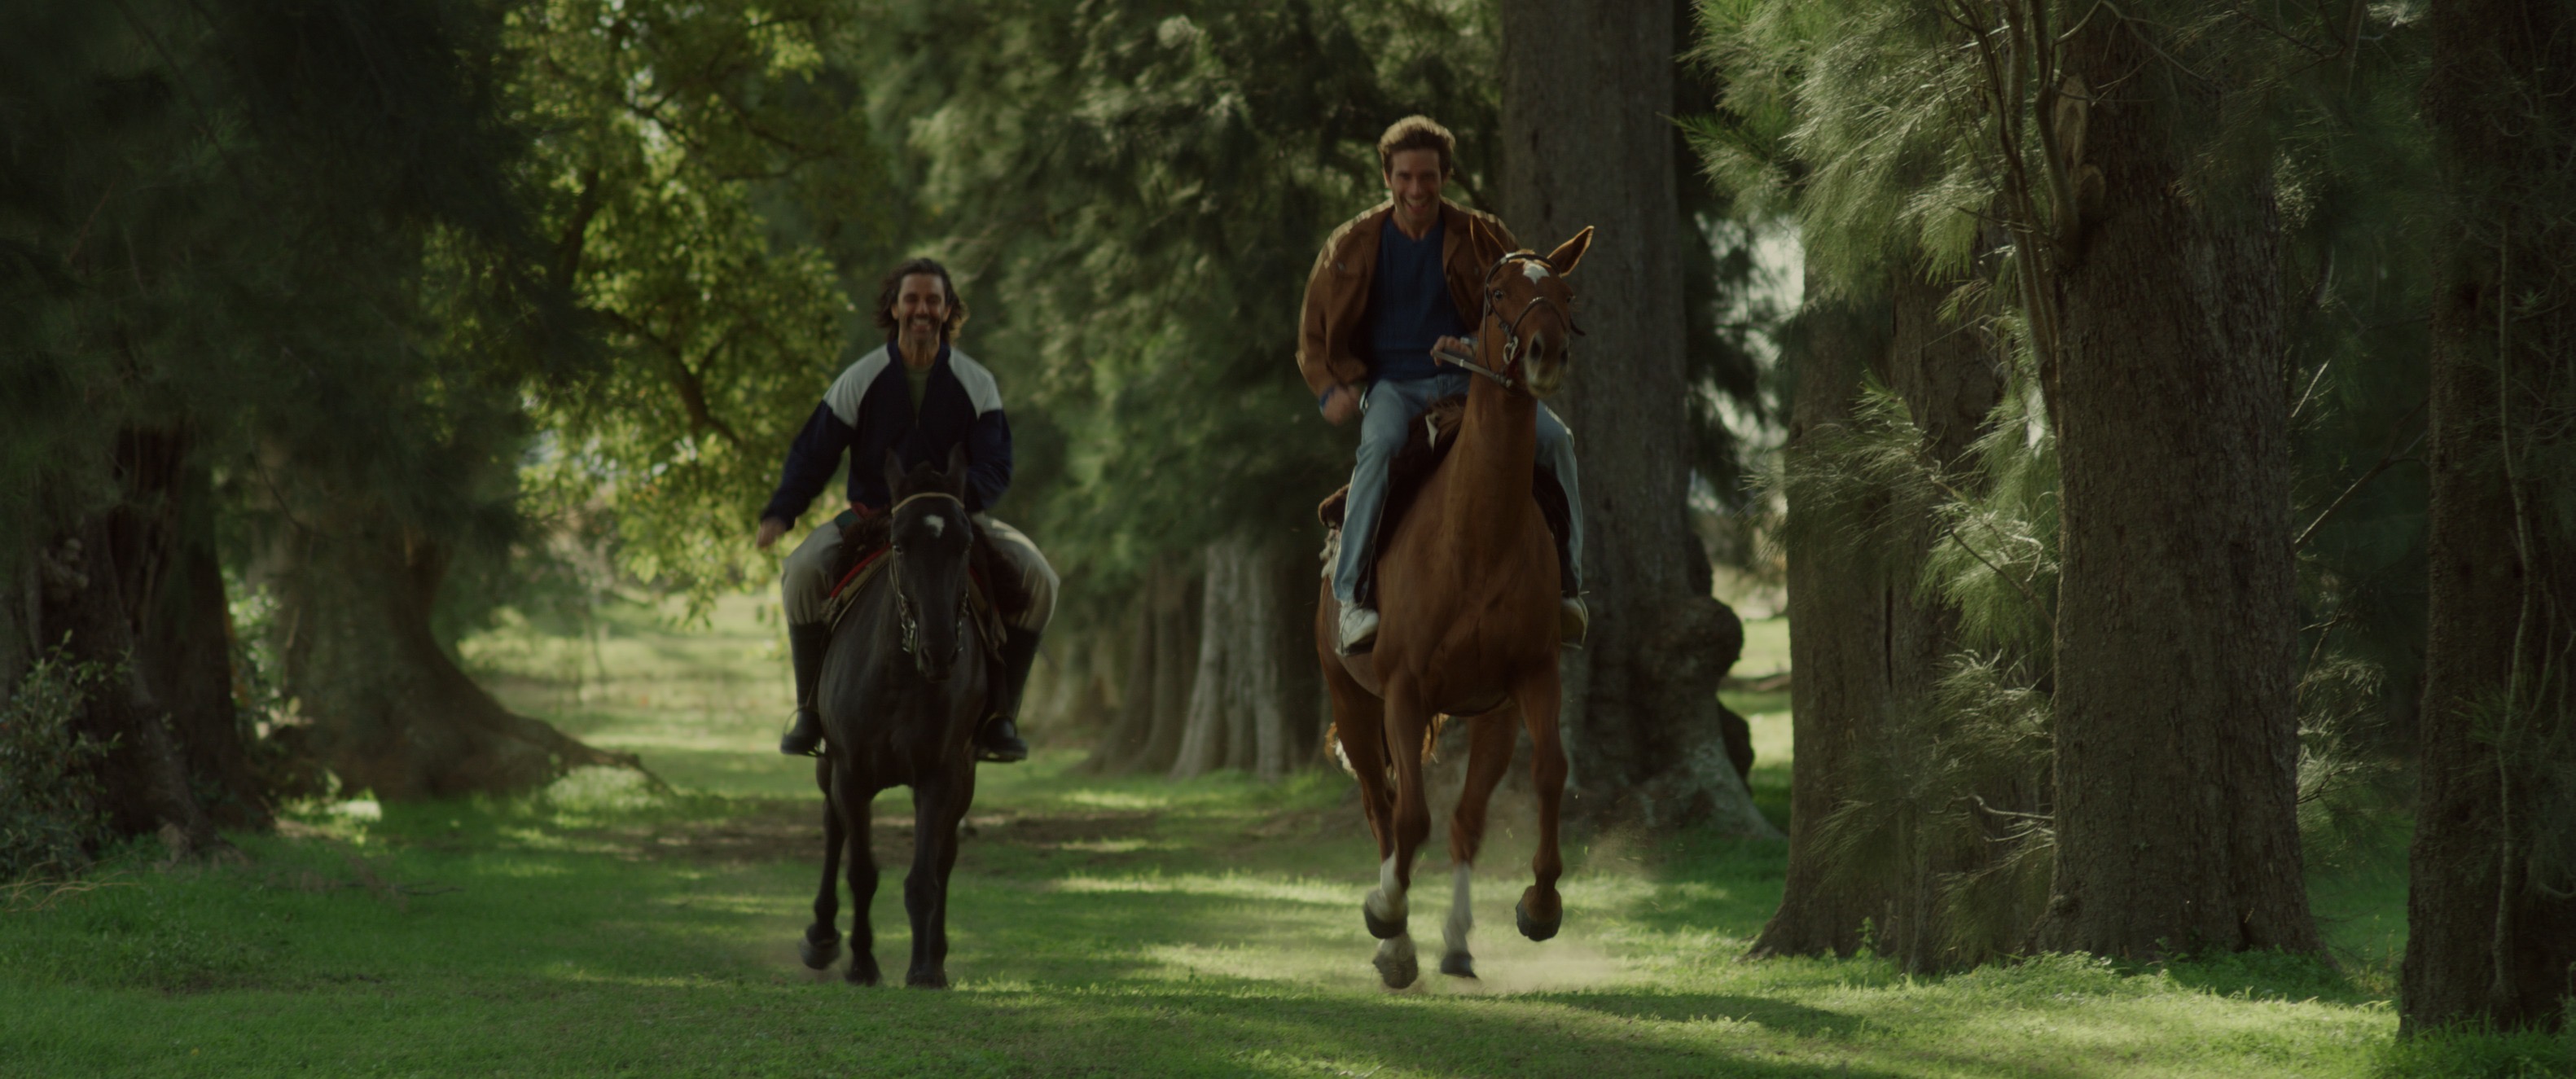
x: 1388, y: 901
x: 1462, y: 913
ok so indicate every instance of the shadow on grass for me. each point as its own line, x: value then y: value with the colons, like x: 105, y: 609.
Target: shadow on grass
x: 2270, y: 976
x: 1780, y: 1015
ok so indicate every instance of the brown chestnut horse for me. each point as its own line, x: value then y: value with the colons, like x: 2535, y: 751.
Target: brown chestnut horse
x: 1467, y: 602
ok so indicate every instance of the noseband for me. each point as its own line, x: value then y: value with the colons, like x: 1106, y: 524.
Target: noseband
x: 903, y: 604
x: 1507, y: 378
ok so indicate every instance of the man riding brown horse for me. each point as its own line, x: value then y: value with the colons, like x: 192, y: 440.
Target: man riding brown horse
x: 1393, y: 287
x: 919, y: 398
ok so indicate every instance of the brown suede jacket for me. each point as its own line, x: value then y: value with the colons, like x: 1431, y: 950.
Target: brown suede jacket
x: 1337, y: 291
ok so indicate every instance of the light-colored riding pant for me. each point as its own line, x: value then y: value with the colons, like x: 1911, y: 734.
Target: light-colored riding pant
x: 1392, y: 409
x: 805, y: 581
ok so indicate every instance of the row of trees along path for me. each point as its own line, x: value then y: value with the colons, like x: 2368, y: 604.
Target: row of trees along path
x: 2103, y: 265
x: 291, y: 313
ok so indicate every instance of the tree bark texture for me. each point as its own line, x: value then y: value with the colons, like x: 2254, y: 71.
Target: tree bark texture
x: 1586, y: 91
x: 1869, y: 656
x: 391, y: 712
x: 1838, y: 625
x: 136, y: 586
x: 1161, y: 661
x: 2175, y: 721
x: 1241, y: 711
x: 2491, y: 908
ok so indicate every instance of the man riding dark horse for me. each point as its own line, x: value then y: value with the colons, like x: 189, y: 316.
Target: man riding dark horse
x: 1392, y: 287
x: 918, y: 398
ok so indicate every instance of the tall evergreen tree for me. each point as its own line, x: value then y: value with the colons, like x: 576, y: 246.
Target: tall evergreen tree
x: 1586, y: 93
x: 2491, y: 911
x: 223, y: 219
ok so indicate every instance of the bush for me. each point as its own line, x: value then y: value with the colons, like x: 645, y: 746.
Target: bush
x: 50, y: 823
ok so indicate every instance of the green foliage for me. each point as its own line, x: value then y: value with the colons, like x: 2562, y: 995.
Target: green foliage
x: 1931, y: 139
x: 1138, y: 191
x: 50, y: 819
x: 713, y: 195
x: 2480, y: 1053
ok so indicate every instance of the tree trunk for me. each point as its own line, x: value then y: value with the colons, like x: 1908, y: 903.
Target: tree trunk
x: 1585, y: 85
x: 1162, y: 660
x: 1838, y: 628
x: 1131, y: 720
x: 2491, y: 910
x: 2176, y: 728
x: 391, y: 711
x: 1240, y: 699
x: 1869, y: 655
x: 1949, y: 382
x: 184, y: 638
x: 144, y: 781
x: 137, y: 585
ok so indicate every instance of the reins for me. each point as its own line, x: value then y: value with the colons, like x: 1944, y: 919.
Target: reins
x: 903, y: 605
x: 1511, y: 329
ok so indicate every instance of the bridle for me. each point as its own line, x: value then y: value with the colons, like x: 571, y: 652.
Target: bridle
x: 903, y: 605
x: 1508, y: 377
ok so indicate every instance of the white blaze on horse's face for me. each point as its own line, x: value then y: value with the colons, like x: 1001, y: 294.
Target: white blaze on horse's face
x: 938, y: 525
x: 1535, y: 270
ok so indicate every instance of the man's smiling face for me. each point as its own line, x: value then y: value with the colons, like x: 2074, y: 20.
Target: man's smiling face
x: 1414, y: 177
x: 920, y: 311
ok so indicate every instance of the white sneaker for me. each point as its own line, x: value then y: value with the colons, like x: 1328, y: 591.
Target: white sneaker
x: 1573, y: 620
x: 1359, y: 627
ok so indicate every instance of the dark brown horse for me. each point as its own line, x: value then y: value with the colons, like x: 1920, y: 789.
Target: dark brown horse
x: 1467, y: 600
x: 903, y: 690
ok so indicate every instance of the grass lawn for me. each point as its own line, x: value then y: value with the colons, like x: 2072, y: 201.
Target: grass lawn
x: 1098, y: 927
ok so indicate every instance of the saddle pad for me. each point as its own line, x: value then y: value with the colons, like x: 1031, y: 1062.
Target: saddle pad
x: 1427, y: 442
x: 980, y: 608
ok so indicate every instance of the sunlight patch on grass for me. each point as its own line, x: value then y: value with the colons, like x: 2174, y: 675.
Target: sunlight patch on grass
x: 1117, y: 799
x: 1228, y: 886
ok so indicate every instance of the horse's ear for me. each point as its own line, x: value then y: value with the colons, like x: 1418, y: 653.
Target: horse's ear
x: 955, y: 480
x: 1570, y: 252
x: 894, y: 476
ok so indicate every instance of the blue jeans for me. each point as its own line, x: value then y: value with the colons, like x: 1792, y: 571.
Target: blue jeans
x: 1392, y: 408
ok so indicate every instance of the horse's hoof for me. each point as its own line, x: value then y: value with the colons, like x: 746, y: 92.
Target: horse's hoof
x: 1532, y: 927
x: 1395, y: 963
x: 863, y: 970
x: 926, y: 979
x: 1379, y: 927
x: 819, y: 954
x: 1458, y: 965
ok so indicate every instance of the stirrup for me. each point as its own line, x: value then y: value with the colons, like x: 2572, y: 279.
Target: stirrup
x: 1573, y: 621
x: 805, y: 739
x: 999, y: 742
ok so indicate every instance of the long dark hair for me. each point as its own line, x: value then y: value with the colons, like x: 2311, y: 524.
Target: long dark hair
x: 893, y: 283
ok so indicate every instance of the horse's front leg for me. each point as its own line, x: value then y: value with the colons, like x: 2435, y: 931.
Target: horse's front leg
x: 937, y: 808
x: 1406, y: 723
x: 1489, y: 755
x: 1541, y: 910
x: 822, y: 944
x: 857, y: 814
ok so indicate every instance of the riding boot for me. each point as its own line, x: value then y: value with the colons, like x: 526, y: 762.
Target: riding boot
x: 999, y: 740
x: 805, y: 645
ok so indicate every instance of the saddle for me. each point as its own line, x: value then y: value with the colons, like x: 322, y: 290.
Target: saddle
x: 1426, y: 443
x: 993, y: 593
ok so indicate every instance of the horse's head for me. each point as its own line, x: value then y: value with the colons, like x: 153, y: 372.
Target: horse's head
x: 1527, y: 329
x: 931, y: 536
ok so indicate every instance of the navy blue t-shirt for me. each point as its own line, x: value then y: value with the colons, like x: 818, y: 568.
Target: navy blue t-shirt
x: 1409, y: 305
